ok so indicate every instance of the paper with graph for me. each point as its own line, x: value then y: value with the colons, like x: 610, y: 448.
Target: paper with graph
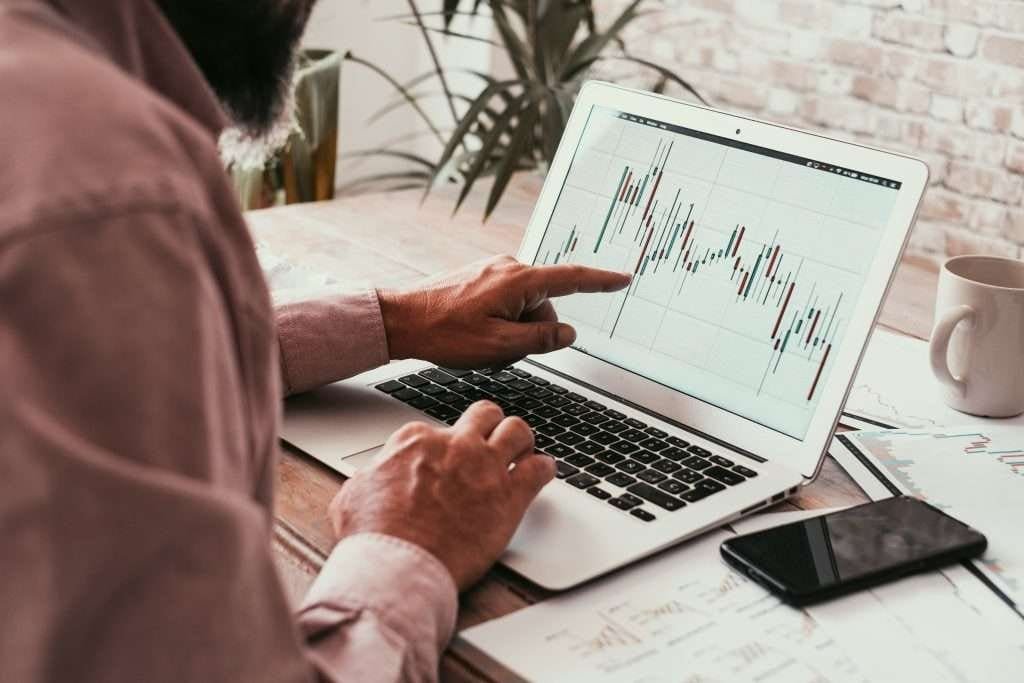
x: 685, y: 617
x: 976, y: 475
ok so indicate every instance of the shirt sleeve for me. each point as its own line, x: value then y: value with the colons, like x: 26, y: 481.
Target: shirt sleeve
x: 380, y: 619
x: 326, y: 339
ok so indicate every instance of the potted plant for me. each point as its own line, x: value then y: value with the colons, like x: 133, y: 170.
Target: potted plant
x: 512, y: 123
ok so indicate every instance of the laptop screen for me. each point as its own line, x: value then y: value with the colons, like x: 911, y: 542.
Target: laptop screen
x: 746, y: 261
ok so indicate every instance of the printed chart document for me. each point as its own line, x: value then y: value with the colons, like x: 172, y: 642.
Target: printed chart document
x: 685, y: 616
x: 976, y: 475
x: 895, y: 388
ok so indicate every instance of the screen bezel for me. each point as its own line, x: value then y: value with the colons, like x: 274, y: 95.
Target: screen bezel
x: 806, y: 455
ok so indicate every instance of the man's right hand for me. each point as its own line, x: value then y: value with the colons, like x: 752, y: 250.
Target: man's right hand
x: 450, y: 491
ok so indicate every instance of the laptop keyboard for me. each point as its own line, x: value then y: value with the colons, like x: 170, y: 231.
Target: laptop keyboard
x: 630, y: 465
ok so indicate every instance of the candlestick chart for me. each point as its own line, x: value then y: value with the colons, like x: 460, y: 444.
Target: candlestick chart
x: 745, y: 267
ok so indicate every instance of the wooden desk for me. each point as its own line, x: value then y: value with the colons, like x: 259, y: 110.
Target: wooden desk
x: 391, y: 239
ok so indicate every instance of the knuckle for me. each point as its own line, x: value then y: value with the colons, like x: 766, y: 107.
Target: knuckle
x: 547, y: 337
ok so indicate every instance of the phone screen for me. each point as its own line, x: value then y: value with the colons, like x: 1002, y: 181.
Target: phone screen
x: 877, y: 538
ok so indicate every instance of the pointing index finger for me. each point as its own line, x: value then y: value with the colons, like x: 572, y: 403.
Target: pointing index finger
x: 565, y: 279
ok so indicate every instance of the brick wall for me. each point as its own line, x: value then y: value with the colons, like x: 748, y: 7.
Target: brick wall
x: 939, y: 79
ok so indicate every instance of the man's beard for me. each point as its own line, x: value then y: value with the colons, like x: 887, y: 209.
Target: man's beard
x: 246, y: 50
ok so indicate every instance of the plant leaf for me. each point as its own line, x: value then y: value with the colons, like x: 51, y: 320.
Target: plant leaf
x: 483, y: 155
x: 595, y: 43
x: 516, y: 147
x: 349, y: 57
x: 662, y: 71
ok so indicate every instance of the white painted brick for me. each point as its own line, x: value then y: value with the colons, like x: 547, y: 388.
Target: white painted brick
x: 962, y: 39
x: 947, y: 108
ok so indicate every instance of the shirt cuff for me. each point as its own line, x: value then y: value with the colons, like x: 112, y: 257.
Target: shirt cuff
x: 406, y: 587
x: 328, y: 339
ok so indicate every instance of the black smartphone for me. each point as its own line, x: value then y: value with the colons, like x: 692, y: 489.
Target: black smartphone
x: 844, y: 551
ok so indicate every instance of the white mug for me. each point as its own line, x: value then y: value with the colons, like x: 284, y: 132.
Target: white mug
x: 977, y: 347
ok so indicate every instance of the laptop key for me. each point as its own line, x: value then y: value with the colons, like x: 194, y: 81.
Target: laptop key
x: 492, y: 387
x: 632, y: 435
x: 723, y: 475
x: 565, y: 420
x: 504, y: 377
x: 673, y: 453
x: 539, y: 393
x: 696, y: 494
x: 696, y: 463
x: 655, y: 432
x: 441, y: 412
x: 520, y: 385
x: 533, y: 420
x: 599, y: 493
x: 614, y: 427
x: 582, y: 480
x: 540, y: 440
x: 651, y: 477
x: 677, y: 442
x: 594, y: 418
x: 719, y: 460
x: 456, y: 372
x: 422, y: 402
x: 625, y: 447
x: 703, y: 452
x: 579, y: 460
x: 540, y: 381
x: 667, y: 466
x: 448, y: 397
x: 630, y: 466
x: 672, y: 486
x: 528, y: 403
x: 414, y: 381
x: 642, y: 514
x: 461, y: 388
x: 653, y: 444
x: 574, y: 409
x: 623, y: 503
x: 599, y: 469
x: 590, y: 448
x: 610, y: 457
x: 745, y: 471
x: 620, y: 479
x: 594, y: 405
x: 579, y: 398
x: 406, y: 394
x: 604, y: 438
x: 615, y: 415
x: 687, y: 476
x: 635, y: 423
x: 559, y: 450
x: 548, y: 412
x: 550, y: 429
x: 563, y: 470
x: 433, y: 389
x: 475, y: 380
x: 520, y: 373
x: 570, y: 438
x: 558, y: 389
x: 656, y: 496
x: 435, y: 375
x: 645, y: 457
x: 390, y: 387
x: 558, y: 401
x: 584, y: 429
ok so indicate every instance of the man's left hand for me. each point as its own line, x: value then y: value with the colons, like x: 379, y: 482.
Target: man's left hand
x: 494, y: 314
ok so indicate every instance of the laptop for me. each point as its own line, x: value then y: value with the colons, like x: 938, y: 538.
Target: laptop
x: 708, y: 389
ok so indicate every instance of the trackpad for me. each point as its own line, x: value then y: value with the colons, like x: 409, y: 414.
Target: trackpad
x: 343, y: 419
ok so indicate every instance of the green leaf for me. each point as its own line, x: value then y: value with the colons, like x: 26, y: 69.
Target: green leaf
x: 662, y: 71
x: 483, y: 155
x: 595, y: 43
x: 517, y: 146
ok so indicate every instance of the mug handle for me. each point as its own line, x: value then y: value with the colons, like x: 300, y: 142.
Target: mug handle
x: 939, y: 346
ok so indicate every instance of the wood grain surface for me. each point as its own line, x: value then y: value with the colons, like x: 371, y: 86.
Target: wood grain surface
x: 393, y: 240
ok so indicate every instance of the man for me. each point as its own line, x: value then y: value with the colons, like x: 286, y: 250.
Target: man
x: 142, y: 373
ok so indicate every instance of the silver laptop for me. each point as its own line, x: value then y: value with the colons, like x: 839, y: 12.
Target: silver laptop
x: 711, y: 387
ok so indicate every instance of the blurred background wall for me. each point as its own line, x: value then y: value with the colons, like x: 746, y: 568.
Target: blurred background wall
x: 939, y: 79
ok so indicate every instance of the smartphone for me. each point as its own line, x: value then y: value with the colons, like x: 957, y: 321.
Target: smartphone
x: 844, y: 551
